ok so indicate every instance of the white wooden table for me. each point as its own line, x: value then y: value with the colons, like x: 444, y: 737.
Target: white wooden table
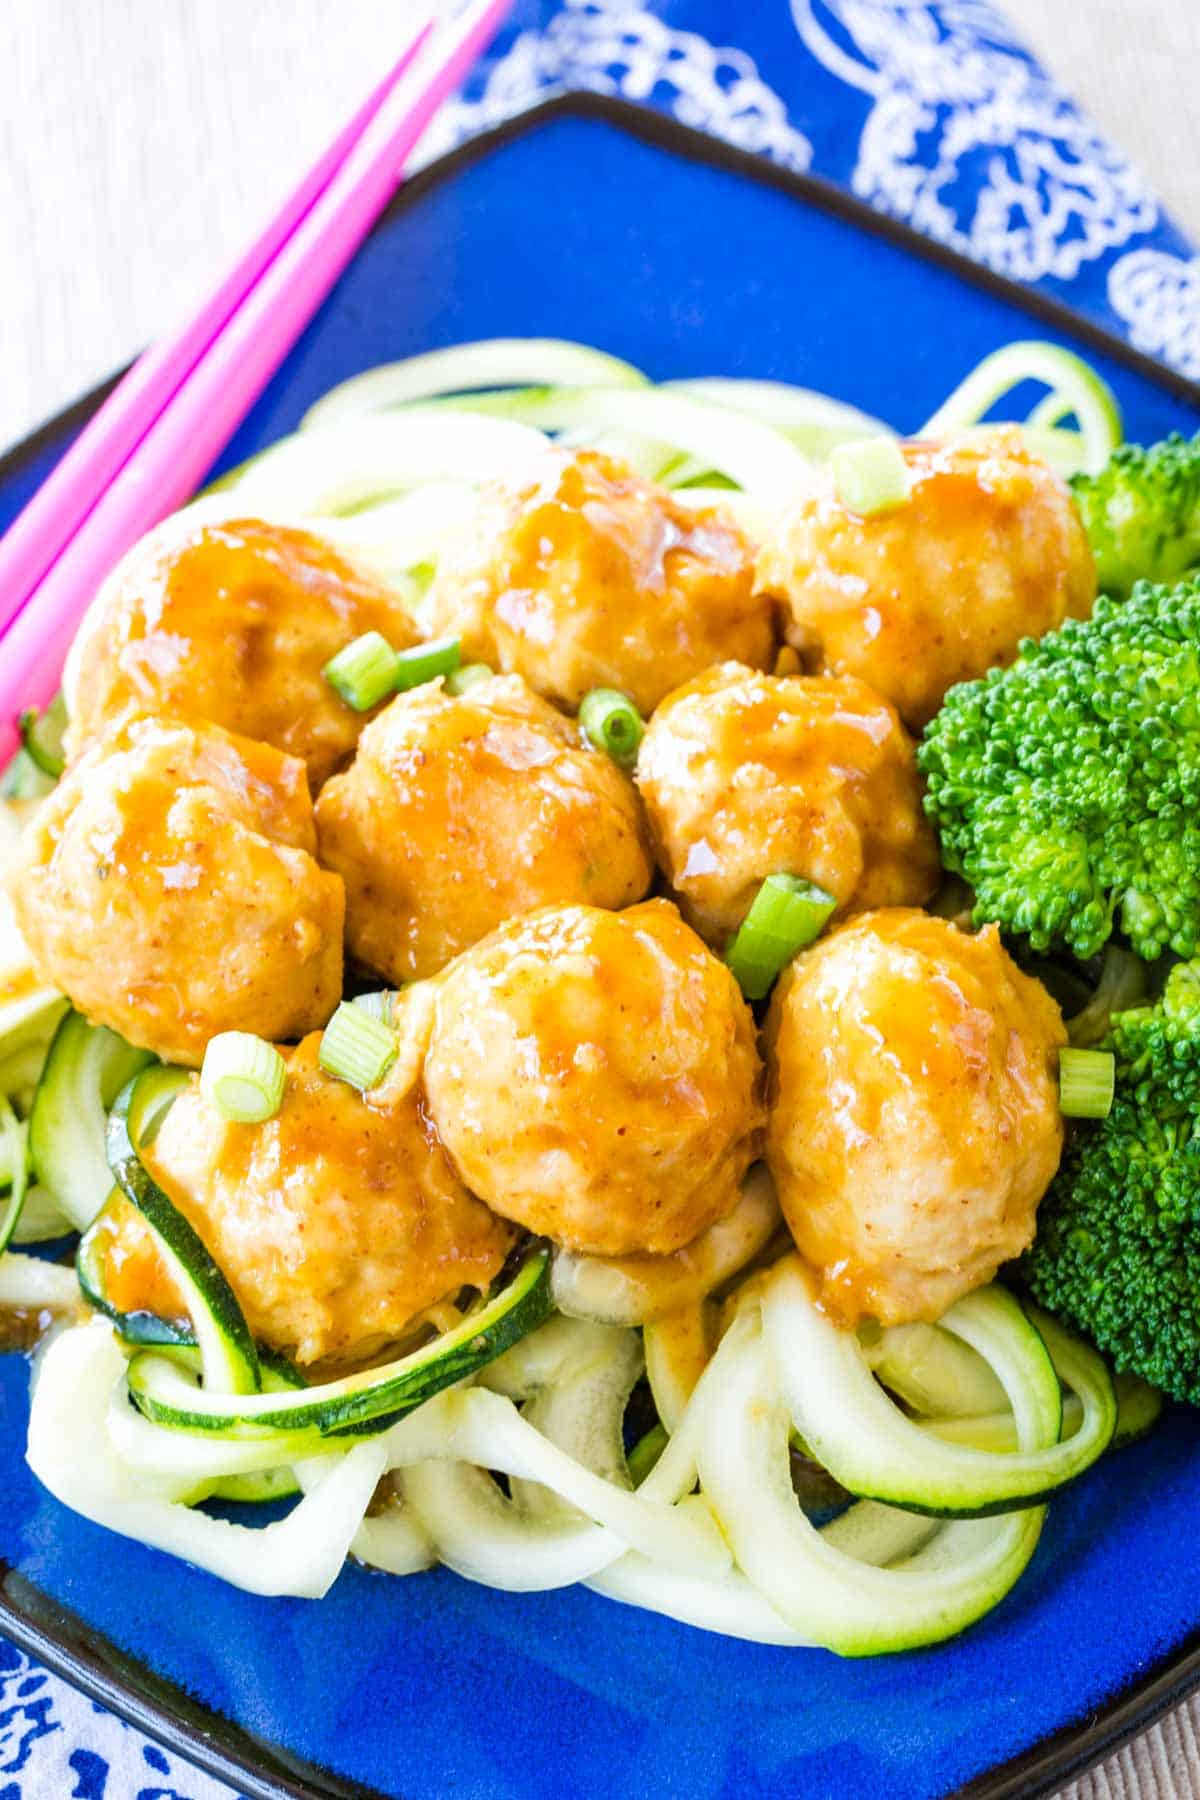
x: 141, y: 140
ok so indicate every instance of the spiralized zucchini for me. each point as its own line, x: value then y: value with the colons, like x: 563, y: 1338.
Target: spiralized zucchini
x: 871, y: 1447
x: 71, y: 1452
x: 829, y: 1597
x: 1073, y: 389
x: 490, y: 363
x: 351, y: 467
x: 27, y: 1284
x: 29, y: 1019
x: 739, y: 1556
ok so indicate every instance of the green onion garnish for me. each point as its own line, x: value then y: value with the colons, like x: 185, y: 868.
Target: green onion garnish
x: 460, y: 681
x: 380, y: 1004
x: 1087, y: 1080
x: 787, y: 914
x: 357, y: 1048
x: 612, y: 723
x: 425, y: 661
x: 243, y: 1077
x: 364, y: 673
x: 870, y: 475
x: 42, y: 736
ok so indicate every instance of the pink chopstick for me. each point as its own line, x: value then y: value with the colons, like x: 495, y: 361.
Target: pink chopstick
x: 192, y: 429
x: 68, y: 494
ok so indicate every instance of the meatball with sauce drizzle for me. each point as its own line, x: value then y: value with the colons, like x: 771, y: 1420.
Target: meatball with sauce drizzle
x: 230, y: 621
x: 594, y: 1076
x: 987, y: 549
x: 460, y: 812
x: 914, y: 1120
x: 338, y: 1222
x: 169, y: 886
x: 581, y: 574
x: 747, y: 775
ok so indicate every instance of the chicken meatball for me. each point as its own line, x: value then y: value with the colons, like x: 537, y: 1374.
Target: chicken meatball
x: 914, y: 1121
x: 584, y: 575
x: 594, y: 1076
x: 336, y: 1222
x: 233, y: 623
x: 747, y: 775
x: 460, y: 813
x: 987, y: 549
x: 169, y: 885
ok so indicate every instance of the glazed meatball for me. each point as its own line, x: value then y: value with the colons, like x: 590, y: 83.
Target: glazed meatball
x: 988, y: 549
x: 594, y: 1076
x: 460, y: 813
x: 336, y: 1222
x: 584, y: 575
x: 747, y: 775
x: 169, y: 886
x: 914, y: 1121
x: 233, y: 623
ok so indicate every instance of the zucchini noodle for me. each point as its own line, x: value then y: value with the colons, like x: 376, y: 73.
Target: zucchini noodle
x: 548, y: 1415
x: 1074, y: 388
x: 72, y: 1454
x: 492, y: 363
x: 361, y: 463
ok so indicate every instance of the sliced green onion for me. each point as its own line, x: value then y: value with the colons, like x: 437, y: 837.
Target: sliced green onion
x: 357, y: 1048
x: 870, y: 475
x: 1087, y: 1080
x: 23, y: 780
x: 424, y: 662
x: 787, y: 914
x: 380, y: 1004
x: 612, y: 723
x: 461, y: 681
x: 243, y: 1077
x: 364, y: 673
x: 42, y: 736
x: 421, y: 575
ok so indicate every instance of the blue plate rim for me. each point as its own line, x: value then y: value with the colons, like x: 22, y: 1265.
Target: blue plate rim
x: 128, y: 1687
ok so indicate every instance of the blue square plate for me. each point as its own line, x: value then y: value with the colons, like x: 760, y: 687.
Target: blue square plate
x: 596, y: 221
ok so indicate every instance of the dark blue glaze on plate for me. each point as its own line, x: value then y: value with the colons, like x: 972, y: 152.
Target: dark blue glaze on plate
x: 687, y: 259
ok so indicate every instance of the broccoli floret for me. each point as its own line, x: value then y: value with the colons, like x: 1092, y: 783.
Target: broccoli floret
x: 1117, y: 1252
x: 1066, y: 788
x: 1142, y: 513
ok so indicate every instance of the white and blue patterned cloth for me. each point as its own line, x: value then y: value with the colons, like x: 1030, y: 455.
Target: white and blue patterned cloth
x: 57, y: 1745
x: 932, y: 112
